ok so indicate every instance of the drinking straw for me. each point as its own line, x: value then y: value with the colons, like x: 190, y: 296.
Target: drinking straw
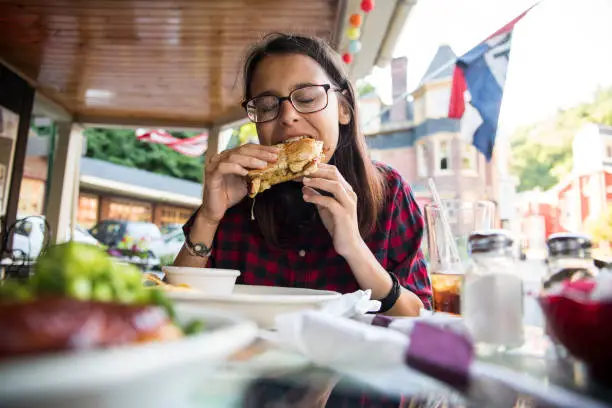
x: 445, y: 223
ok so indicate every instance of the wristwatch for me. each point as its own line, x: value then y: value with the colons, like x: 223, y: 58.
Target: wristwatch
x: 197, y: 249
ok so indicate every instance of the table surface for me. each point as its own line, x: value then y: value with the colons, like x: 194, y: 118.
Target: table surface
x: 265, y: 375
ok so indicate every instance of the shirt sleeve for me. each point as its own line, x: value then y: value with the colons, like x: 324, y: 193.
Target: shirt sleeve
x: 406, y: 259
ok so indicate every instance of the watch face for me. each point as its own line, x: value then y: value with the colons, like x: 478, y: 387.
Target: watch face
x: 198, y: 247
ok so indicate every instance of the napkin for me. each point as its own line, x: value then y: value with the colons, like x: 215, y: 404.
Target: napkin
x: 431, y: 353
x: 352, y: 304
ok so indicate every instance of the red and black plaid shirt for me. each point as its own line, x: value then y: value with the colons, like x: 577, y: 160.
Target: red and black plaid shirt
x: 314, y: 263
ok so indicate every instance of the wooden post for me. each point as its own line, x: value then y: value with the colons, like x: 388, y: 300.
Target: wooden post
x: 64, y: 185
x: 18, y: 96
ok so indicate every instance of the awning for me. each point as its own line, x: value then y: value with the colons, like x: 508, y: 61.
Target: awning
x: 167, y: 63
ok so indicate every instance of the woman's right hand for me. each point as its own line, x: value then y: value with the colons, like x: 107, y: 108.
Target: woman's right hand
x: 224, y: 182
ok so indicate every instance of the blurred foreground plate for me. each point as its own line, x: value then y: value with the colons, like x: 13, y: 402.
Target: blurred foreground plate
x: 163, y: 374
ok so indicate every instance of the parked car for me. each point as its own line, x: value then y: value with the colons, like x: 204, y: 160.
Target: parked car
x: 173, y: 244
x: 30, y: 235
x: 113, y: 232
x: 168, y: 229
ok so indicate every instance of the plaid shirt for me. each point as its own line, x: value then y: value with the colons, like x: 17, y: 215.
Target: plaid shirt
x: 314, y: 263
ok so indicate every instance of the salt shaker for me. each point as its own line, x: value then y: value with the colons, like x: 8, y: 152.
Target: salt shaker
x: 492, y: 295
x: 569, y: 258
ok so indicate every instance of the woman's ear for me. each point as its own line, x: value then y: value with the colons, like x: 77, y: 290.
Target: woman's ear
x: 344, y: 110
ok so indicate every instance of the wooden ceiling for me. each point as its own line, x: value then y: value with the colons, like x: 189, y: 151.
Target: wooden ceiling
x: 168, y: 61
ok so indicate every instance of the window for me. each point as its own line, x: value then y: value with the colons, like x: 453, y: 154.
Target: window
x: 469, y: 157
x: 443, y: 155
x: 609, y: 150
x: 421, y: 157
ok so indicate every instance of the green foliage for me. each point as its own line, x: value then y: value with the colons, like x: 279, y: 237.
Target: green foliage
x: 542, y: 153
x: 365, y: 88
x: 247, y: 133
x: 601, y: 229
x: 120, y: 146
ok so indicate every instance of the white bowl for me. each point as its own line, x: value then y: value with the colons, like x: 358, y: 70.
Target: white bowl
x: 205, y: 280
x: 152, y: 375
x: 258, y: 303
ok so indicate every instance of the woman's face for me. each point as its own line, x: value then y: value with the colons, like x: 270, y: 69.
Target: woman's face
x: 279, y: 75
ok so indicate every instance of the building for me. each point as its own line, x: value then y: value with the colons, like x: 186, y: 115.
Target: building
x: 110, y: 191
x: 581, y: 198
x: 418, y: 139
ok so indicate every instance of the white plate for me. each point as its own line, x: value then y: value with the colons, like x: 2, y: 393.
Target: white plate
x: 153, y: 375
x: 259, y: 303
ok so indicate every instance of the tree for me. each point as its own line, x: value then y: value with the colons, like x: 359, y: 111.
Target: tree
x: 120, y: 146
x: 364, y: 88
x: 542, y: 153
x: 601, y: 229
x: 247, y: 133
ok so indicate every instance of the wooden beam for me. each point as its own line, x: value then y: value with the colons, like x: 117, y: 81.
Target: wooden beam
x: 394, y: 29
x: 19, y: 98
x: 64, y: 186
x: 234, y: 117
x: 48, y: 108
x: 122, y: 122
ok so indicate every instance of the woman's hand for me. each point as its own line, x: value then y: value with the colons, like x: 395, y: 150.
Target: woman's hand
x: 338, y: 212
x: 224, y: 183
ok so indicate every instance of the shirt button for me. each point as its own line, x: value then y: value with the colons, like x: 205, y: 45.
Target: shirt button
x: 302, y: 253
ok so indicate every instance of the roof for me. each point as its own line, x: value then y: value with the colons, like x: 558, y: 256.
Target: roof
x: 385, y: 117
x: 168, y: 64
x: 176, y: 62
x: 440, y: 66
x: 409, y: 137
x: 101, y: 175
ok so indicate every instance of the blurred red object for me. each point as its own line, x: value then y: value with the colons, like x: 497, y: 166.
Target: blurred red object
x: 581, y: 325
x: 347, y: 58
x: 367, y: 5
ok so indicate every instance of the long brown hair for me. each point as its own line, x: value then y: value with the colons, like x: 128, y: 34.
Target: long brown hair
x: 351, y: 156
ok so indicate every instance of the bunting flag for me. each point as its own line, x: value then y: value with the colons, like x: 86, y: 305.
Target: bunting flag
x: 194, y: 146
x: 478, y: 86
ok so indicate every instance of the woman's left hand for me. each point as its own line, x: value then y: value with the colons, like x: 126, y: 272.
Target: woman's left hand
x: 338, y: 212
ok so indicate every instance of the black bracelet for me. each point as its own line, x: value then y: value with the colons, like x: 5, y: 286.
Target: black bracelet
x: 389, y: 301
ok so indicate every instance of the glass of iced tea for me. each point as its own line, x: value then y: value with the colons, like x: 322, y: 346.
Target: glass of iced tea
x: 447, y: 246
x: 447, y: 292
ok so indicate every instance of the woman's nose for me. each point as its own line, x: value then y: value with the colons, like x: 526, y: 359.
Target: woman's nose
x: 287, y: 113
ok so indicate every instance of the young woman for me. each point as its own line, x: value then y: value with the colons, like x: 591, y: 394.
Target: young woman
x: 353, y: 224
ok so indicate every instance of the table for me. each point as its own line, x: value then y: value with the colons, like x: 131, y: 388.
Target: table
x: 264, y: 375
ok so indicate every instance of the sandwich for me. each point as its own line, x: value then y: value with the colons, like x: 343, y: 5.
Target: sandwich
x: 298, y: 157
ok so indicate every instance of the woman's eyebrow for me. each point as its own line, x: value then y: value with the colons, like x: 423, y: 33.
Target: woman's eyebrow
x: 293, y: 88
x: 302, y: 85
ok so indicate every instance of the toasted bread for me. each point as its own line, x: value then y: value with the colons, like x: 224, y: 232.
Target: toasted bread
x: 297, y: 157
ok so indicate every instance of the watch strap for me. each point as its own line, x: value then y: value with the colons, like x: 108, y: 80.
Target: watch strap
x: 197, y: 248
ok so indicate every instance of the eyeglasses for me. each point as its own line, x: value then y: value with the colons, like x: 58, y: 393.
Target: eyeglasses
x: 307, y: 99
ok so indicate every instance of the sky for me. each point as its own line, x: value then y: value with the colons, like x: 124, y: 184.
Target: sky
x: 561, y: 50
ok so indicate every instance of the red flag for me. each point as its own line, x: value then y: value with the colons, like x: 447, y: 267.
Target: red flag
x: 457, y: 100
x: 193, y: 146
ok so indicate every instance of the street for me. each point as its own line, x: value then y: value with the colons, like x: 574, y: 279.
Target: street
x: 533, y: 270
